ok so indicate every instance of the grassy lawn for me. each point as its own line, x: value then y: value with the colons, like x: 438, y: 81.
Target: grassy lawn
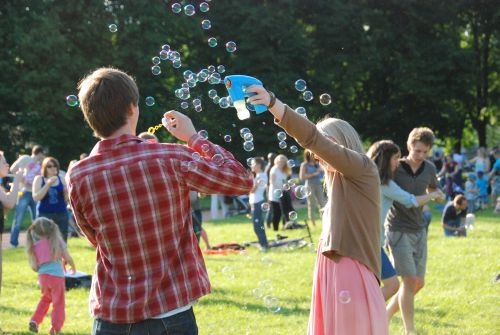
x: 460, y: 296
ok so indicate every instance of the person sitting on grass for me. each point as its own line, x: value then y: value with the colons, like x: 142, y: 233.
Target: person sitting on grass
x: 454, y: 214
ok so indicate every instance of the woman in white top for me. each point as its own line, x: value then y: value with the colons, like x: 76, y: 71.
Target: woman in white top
x: 279, y: 194
x: 256, y: 199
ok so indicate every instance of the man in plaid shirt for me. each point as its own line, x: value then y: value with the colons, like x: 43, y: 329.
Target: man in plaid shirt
x: 130, y: 197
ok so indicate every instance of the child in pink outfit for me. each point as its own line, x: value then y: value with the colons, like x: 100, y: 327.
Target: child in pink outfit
x: 46, y: 249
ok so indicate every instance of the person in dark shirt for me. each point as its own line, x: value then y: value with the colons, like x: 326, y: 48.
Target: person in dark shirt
x: 454, y: 214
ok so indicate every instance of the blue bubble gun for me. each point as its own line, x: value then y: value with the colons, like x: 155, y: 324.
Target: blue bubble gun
x: 236, y: 87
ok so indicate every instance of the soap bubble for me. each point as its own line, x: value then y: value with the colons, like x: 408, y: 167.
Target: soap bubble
x: 192, y: 166
x: 196, y: 156
x: 227, y: 138
x: 221, y: 68
x: 214, y: 79
x: 173, y: 55
x: 272, y: 304
x: 250, y: 161
x: 156, y: 60
x: 184, y: 105
x: 301, y: 111
x: 282, y: 145
x: 302, y: 192
x: 281, y: 136
x: 300, y: 85
x: 285, y: 187
x: 163, y: 55
x: 243, y: 131
x: 206, y: 24
x: 258, y: 292
x: 248, y: 146
x: 189, y: 10
x: 165, y: 47
x: 212, y: 42
x: 265, y: 207
x: 224, y: 103
x: 176, y: 8
x: 231, y: 46
x: 187, y: 74
x: 344, y: 297
x: 291, y: 163
x: 261, y: 183
x: 228, y: 272
x: 72, y: 100
x: 198, y: 108
x: 248, y: 137
x: 216, y: 100
x: 178, y: 93
x: 204, y: 7
x: 211, y: 68
x: 307, y: 95
x: 185, y: 85
x: 203, y: 133
x: 277, y: 193
x: 196, y: 102
x: 205, y: 147
x: 150, y: 101
x: 292, y: 215
x: 156, y: 70
x: 325, y: 99
x: 294, y: 149
x: 212, y: 93
x: 113, y: 28
x: 177, y: 63
x: 217, y: 159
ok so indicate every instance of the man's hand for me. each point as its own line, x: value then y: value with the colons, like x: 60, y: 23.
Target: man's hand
x: 178, y: 125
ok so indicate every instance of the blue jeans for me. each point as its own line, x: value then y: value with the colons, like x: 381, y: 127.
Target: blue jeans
x: 179, y: 324
x: 61, y: 220
x: 258, y: 223
x: 454, y: 224
x: 25, y: 201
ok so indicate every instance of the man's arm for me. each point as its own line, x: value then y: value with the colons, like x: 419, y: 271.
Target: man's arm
x: 87, y: 230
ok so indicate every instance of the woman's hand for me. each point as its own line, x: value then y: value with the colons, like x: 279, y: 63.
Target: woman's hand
x: 178, y: 125
x: 262, y: 97
x: 52, y: 180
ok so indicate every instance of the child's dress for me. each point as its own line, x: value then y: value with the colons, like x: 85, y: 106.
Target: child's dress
x: 52, y: 285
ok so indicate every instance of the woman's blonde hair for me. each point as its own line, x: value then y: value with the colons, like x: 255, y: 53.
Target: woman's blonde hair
x: 344, y: 134
x: 286, y: 169
x: 39, y: 229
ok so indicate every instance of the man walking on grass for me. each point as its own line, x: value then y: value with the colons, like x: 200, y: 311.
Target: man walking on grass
x: 406, y: 235
x: 130, y: 197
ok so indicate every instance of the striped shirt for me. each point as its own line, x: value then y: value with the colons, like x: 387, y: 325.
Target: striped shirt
x: 131, y: 199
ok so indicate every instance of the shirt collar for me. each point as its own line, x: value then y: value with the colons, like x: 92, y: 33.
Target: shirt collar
x: 113, y: 143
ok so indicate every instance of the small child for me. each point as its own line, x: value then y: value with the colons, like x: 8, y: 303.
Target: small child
x: 454, y: 217
x: 472, y: 193
x: 482, y: 185
x: 46, y: 248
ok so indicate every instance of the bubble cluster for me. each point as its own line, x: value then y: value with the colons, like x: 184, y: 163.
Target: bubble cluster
x: 72, y: 100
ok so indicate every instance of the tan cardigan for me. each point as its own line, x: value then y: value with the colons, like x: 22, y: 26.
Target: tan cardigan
x: 354, y: 197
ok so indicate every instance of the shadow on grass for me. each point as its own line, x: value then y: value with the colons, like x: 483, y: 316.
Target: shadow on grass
x: 253, y: 307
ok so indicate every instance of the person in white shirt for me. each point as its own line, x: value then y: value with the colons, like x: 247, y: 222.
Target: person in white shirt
x: 257, y: 201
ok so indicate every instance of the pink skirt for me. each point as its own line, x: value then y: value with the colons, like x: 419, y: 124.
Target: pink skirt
x: 346, y: 299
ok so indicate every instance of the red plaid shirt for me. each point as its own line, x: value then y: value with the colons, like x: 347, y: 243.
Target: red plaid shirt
x: 131, y: 200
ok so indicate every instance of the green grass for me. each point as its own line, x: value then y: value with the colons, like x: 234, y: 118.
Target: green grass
x: 459, y: 297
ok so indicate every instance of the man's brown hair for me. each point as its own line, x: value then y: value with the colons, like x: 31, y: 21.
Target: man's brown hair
x: 105, y: 97
x: 37, y: 149
x: 421, y: 134
x: 459, y: 200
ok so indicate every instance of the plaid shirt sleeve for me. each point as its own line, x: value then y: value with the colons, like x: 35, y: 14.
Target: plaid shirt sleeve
x: 216, y: 171
x: 87, y: 230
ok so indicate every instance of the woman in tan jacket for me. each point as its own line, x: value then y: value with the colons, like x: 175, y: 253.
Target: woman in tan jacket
x: 346, y: 295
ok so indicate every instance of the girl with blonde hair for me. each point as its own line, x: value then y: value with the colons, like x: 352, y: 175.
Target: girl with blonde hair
x: 346, y: 295
x: 46, y: 249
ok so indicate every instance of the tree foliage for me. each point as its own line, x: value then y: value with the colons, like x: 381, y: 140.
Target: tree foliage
x: 388, y: 65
